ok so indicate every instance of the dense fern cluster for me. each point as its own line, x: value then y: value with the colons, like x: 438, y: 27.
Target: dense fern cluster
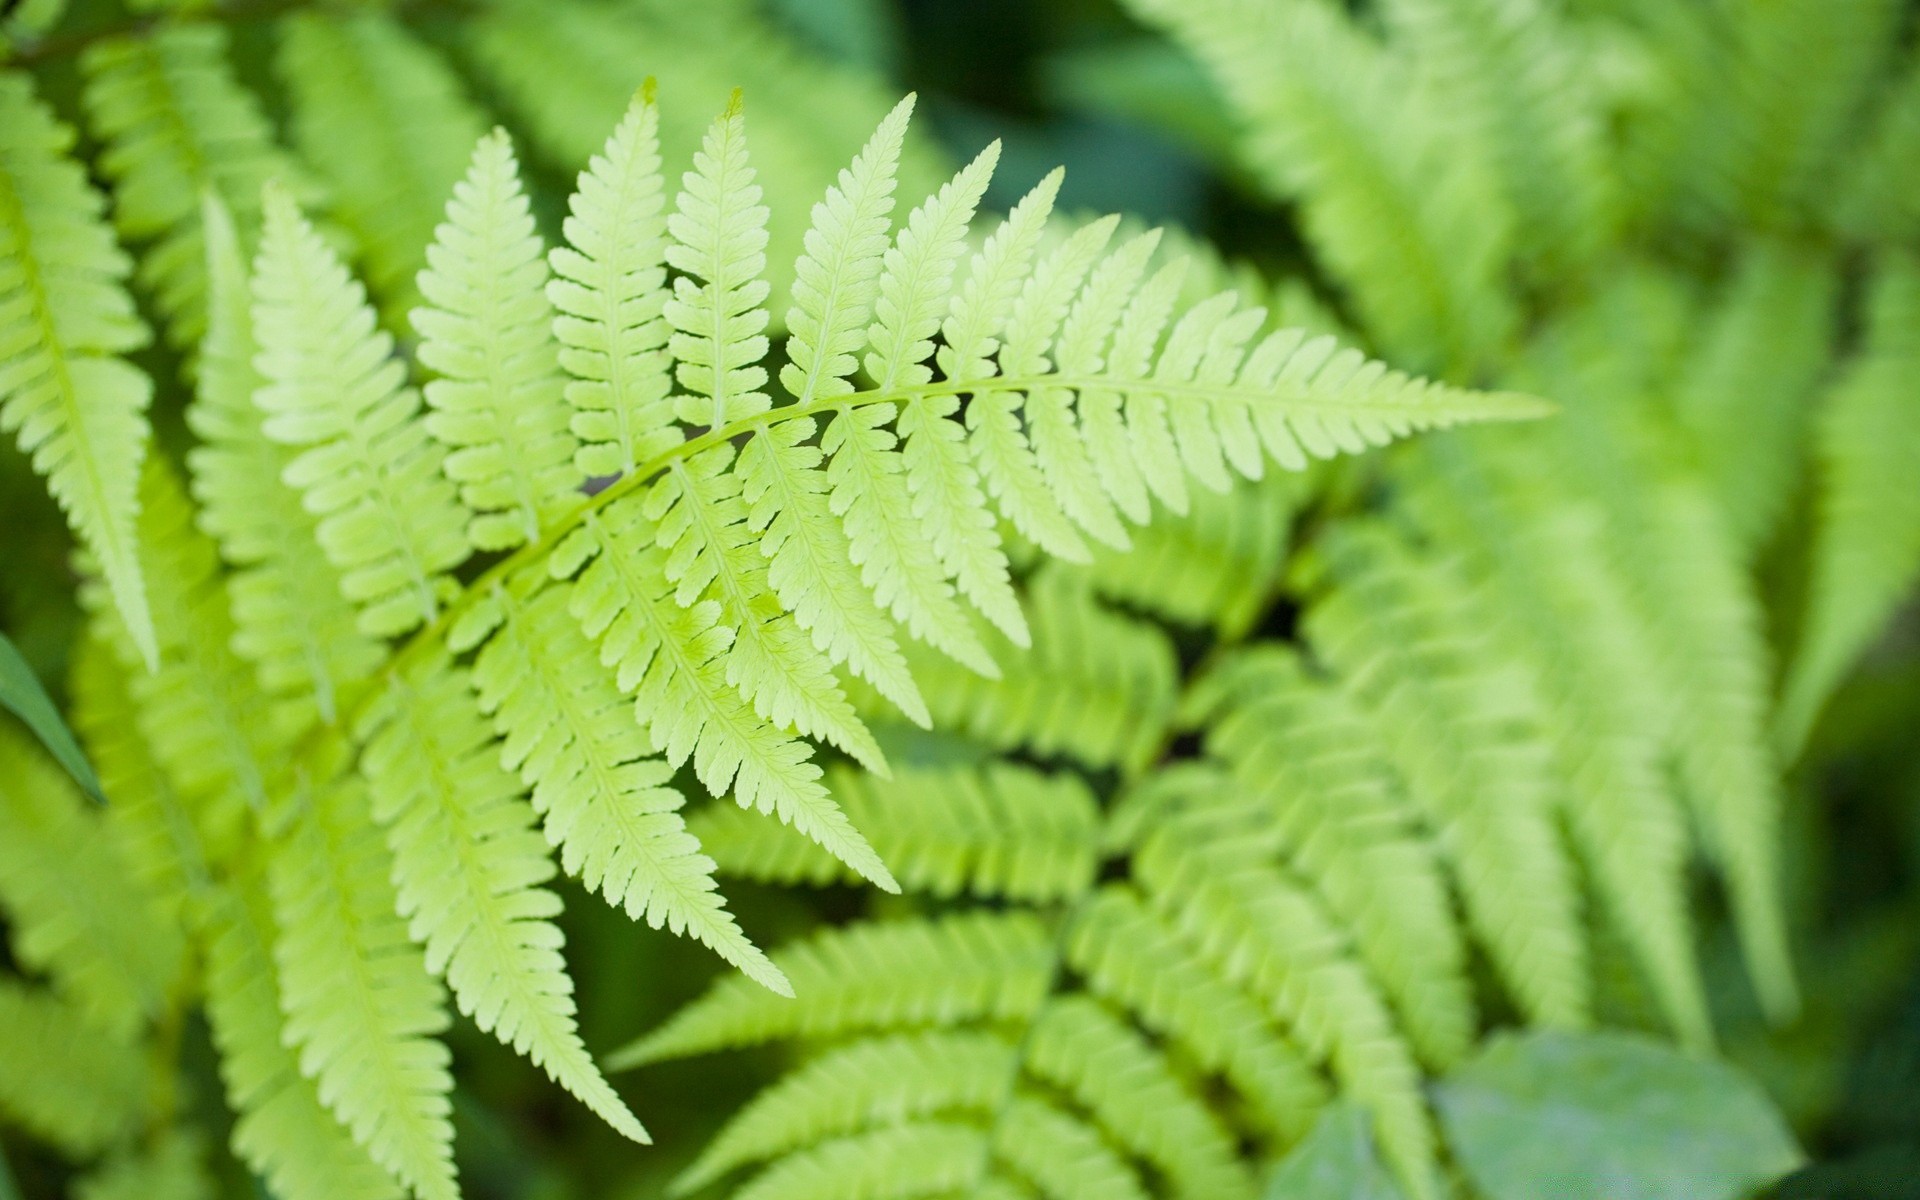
x: 728, y: 498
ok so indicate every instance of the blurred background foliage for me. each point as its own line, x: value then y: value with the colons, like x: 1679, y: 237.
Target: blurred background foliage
x: 1143, y: 129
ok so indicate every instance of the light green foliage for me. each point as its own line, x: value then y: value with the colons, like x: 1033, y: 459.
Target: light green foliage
x: 177, y: 123
x: 383, y: 120
x: 290, y: 618
x: 1867, y: 552
x: 361, y: 1011
x: 1458, y: 721
x: 172, y: 1169
x: 1406, y: 224
x: 566, y: 71
x: 467, y: 870
x: 62, y: 1076
x: 388, y: 519
x: 1094, y: 685
x: 284, y: 1132
x: 487, y: 332
x: 439, y: 608
x: 1003, y: 831
x: 107, y: 947
x: 610, y: 295
x: 77, y: 408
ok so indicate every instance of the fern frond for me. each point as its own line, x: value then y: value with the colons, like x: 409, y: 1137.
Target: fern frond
x: 895, y: 1078
x: 362, y: 1013
x: 605, y: 802
x: 171, y: 1167
x: 177, y: 123
x: 1001, y: 831
x: 1700, y: 615
x: 672, y: 660
x: 922, y: 1159
x: 836, y: 281
x: 907, y: 973
x: 1747, y: 388
x: 1130, y: 956
x: 1096, y: 686
x: 1334, y: 809
x: 291, y: 619
x: 1867, y: 552
x: 200, y: 715
x: 1511, y: 76
x: 718, y: 243
x: 156, y: 827
x: 1227, y: 550
x: 565, y: 70
x: 382, y: 118
x: 1033, y: 497
x: 1259, y: 930
x: 1461, y: 724
x: 1081, y: 1047
x: 1415, y: 230
x: 77, y: 408
x: 105, y: 943
x: 1544, y: 554
x: 610, y: 290
x: 282, y: 1130
x: 871, y: 488
x: 467, y: 870
x: 486, y: 331
x: 61, y: 1076
x: 1064, y: 1156
x: 389, y: 520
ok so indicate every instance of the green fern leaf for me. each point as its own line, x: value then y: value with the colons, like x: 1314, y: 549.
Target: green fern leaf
x: 467, y: 868
x: 382, y: 118
x: 605, y: 802
x: 1747, y: 391
x: 290, y: 617
x: 1544, y: 553
x: 909, y: 1075
x: 176, y: 124
x: 61, y: 1077
x: 609, y: 290
x: 361, y: 1011
x: 934, y: 972
x: 1334, y: 810
x: 283, y: 1131
x: 77, y: 408
x: 107, y: 945
x: 1003, y: 831
x: 1259, y: 930
x: 1511, y: 76
x: 927, y: 1159
x: 388, y: 518
x: 1130, y: 956
x: 1401, y: 216
x: 670, y: 658
x: 1488, y: 782
x: 1096, y: 686
x: 1867, y: 553
x: 487, y: 332
x: 156, y: 828
x: 1081, y: 1047
x: 871, y: 490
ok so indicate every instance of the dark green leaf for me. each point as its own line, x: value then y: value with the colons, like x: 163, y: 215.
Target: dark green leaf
x: 1610, y: 1117
x: 22, y: 693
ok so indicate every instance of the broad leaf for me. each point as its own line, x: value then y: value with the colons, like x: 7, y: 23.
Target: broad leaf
x: 1609, y: 1117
